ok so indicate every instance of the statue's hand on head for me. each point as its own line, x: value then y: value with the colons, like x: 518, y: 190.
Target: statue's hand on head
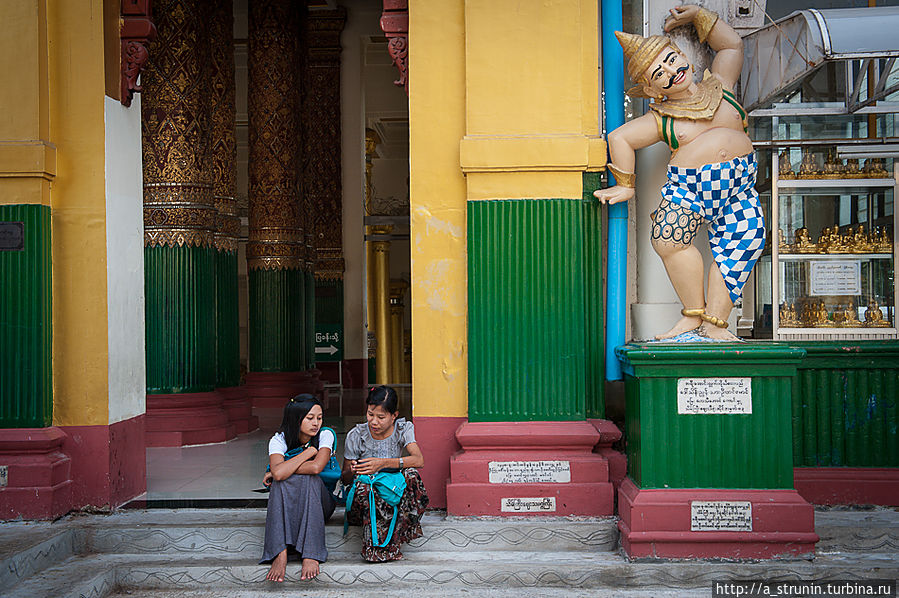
x: 614, y: 194
x: 681, y: 15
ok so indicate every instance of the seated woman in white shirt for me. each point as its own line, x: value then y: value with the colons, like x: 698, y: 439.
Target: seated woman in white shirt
x: 298, y: 503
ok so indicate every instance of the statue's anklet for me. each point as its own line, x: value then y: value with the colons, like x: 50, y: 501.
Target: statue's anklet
x: 713, y: 320
x: 693, y: 312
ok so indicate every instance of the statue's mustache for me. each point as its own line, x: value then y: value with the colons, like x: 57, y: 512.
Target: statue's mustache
x: 674, y: 76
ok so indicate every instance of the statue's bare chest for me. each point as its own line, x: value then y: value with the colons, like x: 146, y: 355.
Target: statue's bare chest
x: 726, y: 116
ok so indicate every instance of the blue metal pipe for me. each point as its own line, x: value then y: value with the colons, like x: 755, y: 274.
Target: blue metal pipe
x: 616, y: 273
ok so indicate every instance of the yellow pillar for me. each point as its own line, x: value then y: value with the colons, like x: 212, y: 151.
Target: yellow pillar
x: 371, y: 143
x: 397, y: 309
x: 381, y: 250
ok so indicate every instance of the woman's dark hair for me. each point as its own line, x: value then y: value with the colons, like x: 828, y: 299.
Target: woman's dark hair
x: 294, y: 411
x: 383, y: 396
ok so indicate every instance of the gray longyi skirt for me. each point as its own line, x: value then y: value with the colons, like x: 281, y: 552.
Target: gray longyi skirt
x: 297, y: 510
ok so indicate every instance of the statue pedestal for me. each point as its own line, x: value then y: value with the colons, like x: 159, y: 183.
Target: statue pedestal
x: 529, y: 468
x: 709, y: 446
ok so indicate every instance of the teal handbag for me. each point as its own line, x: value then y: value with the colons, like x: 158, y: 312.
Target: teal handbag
x: 390, y: 487
x: 330, y: 474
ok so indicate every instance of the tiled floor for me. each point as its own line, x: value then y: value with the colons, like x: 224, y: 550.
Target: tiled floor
x: 233, y: 470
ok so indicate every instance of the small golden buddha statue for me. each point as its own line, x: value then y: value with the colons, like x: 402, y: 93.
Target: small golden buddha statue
x: 809, y: 167
x: 784, y: 167
x: 882, y: 241
x: 852, y: 170
x: 820, y: 316
x: 833, y: 169
x: 782, y: 245
x: 788, y: 318
x: 803, y: 242
x: 874, y: 316
x: 836, y: 242
x: 860, y: 242
x: 874, y: 169
x: 850, y: 317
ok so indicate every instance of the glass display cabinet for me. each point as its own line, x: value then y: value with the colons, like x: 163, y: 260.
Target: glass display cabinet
x: 829, y: 270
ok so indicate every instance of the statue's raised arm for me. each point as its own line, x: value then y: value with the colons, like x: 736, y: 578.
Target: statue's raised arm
x: 711, y: 174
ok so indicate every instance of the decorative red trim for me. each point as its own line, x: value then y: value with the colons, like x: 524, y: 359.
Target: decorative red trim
x: 609, y: 434
x: 137, y: 30
x: 848, y: 485
x: 395, y: 24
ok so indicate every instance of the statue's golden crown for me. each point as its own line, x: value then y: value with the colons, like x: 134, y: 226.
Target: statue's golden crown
x: 640, y: 52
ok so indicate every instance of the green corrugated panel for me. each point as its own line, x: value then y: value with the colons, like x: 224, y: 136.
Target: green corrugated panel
x: 309, y: 328
x: 26, y: 389
x: 529, y: 291
x: 845, y: 406
x: 277, y: 320
x: 671, y: 450
x: 227, y: 320
x: 180, y: 319
x: 596, y: 377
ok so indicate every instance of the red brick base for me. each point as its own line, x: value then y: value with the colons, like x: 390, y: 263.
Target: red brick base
x: 656, y: 523
x: 848, y: 485
x: 470, y: 492
x: 39, y: 474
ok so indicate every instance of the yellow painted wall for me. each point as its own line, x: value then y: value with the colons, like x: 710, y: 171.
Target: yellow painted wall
x: 27, y: 158
x: 532, y: 96
x: 78, y: 213
x: 503, y: 104
x: 439, y: 279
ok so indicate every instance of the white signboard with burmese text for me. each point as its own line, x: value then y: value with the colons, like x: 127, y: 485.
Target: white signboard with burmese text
x: 541, y: 504
x: 714, y: 396
x: 836, y: 277
x: 720, y: 516
x: 530, y: 472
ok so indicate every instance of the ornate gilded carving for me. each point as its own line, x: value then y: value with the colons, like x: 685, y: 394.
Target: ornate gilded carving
x: 224, y: 146
x: 321, y: 124
x: 178, y: 204
x: 136, y: 31
x: 276, y: 237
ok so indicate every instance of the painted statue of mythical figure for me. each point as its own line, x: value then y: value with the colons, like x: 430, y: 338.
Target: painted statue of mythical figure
x: 711, y: 174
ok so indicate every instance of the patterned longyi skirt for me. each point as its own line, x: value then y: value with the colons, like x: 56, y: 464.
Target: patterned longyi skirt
x: 408, y: 524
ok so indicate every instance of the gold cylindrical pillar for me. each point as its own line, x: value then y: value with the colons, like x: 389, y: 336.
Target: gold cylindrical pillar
x: 397, y: 311
x: 381, y: 262
x: 371, y: 144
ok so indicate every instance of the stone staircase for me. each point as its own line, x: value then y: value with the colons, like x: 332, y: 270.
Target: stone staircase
x: 206, y: 553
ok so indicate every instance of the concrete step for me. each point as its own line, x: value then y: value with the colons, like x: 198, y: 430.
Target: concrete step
x: 99, y: 575
x: 240, y: 533
x: 874, y: 530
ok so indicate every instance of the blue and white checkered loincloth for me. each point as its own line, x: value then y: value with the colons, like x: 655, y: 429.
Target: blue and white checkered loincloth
x: 724, y: 195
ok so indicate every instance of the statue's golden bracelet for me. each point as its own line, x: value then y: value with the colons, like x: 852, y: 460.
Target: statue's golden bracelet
x: 704, y: 21
x: 625, y: 179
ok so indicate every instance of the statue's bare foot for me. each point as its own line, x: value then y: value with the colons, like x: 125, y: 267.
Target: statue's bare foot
x: 279, y: 566
x: 715, y: 333
x: 310, y: 569
x: 685, y: 324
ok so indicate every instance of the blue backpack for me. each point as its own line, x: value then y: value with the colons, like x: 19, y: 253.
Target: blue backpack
x: 390, y: 487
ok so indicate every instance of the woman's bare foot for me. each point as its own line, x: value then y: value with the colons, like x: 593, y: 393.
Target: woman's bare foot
x: 685, y: 324
x: 715, y: 333
x: 310, y: 569
x: 279, y: 566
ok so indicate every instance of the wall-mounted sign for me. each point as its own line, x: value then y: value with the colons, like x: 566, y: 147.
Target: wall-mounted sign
x: 530, y: 472
x: 545, y: 504
x: 12, y: 236
x: 706, y: 396
x: 723, y: 515
x: 838, y: 277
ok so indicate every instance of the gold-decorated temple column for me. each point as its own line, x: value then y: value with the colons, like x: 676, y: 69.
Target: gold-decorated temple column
x: 227, y: 222
x: 397, y: 311
x: 179, y: 213
x: 276, y: 248
x: 381, y: 282
x: 179, y: 229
